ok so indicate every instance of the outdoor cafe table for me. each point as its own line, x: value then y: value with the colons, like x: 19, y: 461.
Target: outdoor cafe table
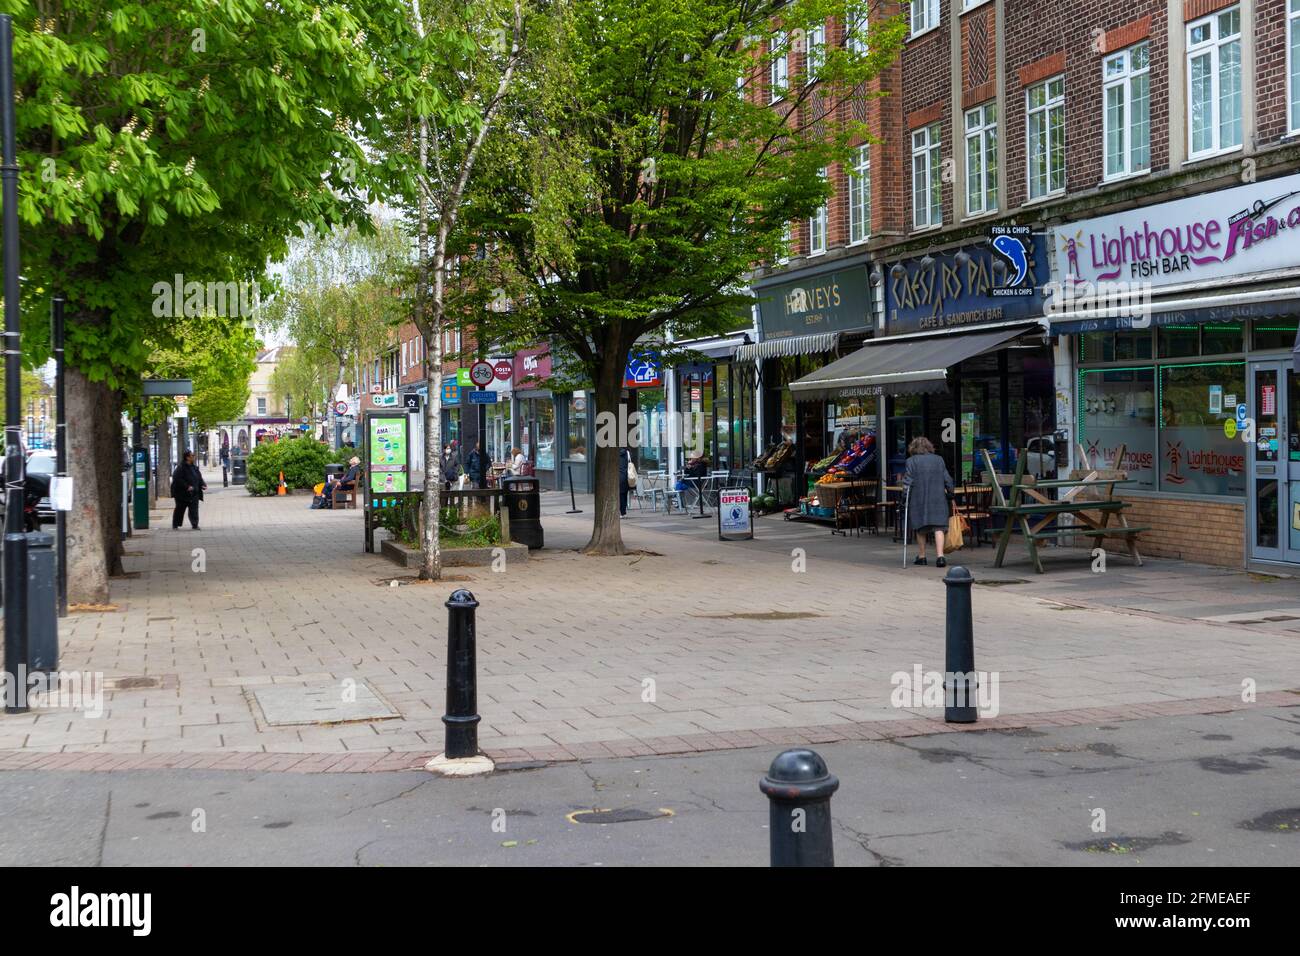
x: 701, y: 485
x: 1031, y: 511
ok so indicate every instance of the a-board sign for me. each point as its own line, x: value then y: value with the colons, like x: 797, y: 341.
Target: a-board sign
x: 387, y: 443
x: 735, y: 519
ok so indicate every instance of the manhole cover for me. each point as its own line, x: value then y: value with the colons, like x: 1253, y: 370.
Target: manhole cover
x: 334, y: 702
x: 625, y: 815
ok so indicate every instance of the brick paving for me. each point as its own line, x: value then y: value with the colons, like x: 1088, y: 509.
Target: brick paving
x: 691, y: 645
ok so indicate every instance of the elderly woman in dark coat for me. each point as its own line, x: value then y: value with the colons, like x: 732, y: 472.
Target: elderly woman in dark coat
x: 928, y: 487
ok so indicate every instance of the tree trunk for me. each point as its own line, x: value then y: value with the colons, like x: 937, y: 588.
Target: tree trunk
x: 430, y: 547
x: 607, y: 530
x: 95, y: 463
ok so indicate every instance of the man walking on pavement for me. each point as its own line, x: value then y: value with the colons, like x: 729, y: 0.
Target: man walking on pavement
x: 187, y: 492
x: 225, y: 466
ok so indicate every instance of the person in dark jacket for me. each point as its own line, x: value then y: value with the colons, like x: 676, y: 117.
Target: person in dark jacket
x: 476, y: 466
x: 187, y: 491
x: 225, y: 466
x: 928, y: 487
x: 624, y: 459
x: 450, y: 467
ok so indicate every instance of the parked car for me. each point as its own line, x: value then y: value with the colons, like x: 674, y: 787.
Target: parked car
x: 36, y: 494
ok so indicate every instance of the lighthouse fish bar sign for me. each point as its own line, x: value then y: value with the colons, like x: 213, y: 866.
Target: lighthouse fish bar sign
x: 1230, y: 232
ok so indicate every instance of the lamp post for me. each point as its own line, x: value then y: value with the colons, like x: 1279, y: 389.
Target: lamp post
x: 15, y: 541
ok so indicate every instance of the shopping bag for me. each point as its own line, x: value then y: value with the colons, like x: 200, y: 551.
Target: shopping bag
x: 955, y: 539
x: 318, y: 489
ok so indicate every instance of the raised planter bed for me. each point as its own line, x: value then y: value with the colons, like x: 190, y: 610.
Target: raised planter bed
x: 409, y: 557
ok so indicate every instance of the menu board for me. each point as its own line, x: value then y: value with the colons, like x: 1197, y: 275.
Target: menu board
x: 387, y: 449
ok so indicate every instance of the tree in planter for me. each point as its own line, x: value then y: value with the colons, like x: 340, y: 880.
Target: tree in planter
x: 653, y: 167
x: 445, y: 156
x: 183, y: 141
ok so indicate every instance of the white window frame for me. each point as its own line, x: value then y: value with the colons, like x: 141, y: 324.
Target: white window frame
x: 856, y: 25
x: 817, y: 229
x: 261, y: 405
x: 860, y: 195
x: 778, y: 68
x: 787, y: 241
x: 1293, y: 65
x: 986, y: 132
x: 1213, y: 47
x: 1050, y: 103
x: 1124, y: 79
x: 927, y: 144
x: 923, y: 16
x: 814, y: 57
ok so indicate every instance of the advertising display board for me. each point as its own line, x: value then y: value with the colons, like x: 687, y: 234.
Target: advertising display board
x: 735, y: 519
x: 387, y: 450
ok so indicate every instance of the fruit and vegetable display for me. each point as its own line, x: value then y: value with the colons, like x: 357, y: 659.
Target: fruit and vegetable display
x: 775, y: 457
x: 853, y: 462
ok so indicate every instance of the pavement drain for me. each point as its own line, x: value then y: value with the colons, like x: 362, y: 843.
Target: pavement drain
x: 330, y: 702
x: 626, y: 815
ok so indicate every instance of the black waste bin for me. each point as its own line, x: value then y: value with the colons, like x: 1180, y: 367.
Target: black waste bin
x: 523, y: 497
x: 238, y: 470
x: 334, y: 471
x: 42, y: 603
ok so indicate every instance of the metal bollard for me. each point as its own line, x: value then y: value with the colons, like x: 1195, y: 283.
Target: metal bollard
x: 799, y: 786
x: 462, y: 716
x: 959, y: 681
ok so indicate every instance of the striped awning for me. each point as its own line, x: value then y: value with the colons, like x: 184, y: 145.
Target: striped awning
x: 790, y: 345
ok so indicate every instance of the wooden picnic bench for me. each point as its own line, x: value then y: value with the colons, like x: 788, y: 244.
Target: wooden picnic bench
x: 1031, y: 510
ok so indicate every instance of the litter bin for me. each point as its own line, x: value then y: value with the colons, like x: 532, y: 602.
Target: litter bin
x: 238, y: 469
x: 523, y: 498
x: 334, y: 471
x: 42, y: 604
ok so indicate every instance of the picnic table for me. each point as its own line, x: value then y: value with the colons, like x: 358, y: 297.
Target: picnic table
x: 1089, y: 500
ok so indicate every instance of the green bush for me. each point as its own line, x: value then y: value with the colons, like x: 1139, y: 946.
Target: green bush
x: 302, y: 460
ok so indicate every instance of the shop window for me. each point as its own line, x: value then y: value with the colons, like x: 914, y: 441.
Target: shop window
x: 1269, y: 334
x: 1132, y: 344
x: 927, y: 196
x: 1179, y: 341
x: 1196, y: 456
x: 1045, y: 137
x: 1118, y: 407
x: 1126, y: 116
x: 1097, y: 347
x: 982, y: 159
x: 1223, y: 338
x: 1214, y: 83
x: 576, y: 442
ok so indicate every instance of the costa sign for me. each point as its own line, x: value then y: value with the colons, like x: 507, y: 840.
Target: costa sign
x: 1219, y: 234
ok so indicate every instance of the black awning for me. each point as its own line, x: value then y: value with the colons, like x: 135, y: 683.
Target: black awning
x: 882, y: 367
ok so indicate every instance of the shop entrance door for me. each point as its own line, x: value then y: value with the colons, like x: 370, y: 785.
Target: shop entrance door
x: 1273, y: 515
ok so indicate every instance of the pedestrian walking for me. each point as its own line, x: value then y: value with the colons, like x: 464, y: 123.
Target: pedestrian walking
x: 476, y: 466
x: 225, y: 466
x: 625, y: 472
x: 187, y: 491
x: 450, y: 470
x: 517, y: 461
x: 929, y: 489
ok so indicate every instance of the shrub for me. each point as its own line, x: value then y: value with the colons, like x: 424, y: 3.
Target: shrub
x: 255, y: 486
x: 302, y: 460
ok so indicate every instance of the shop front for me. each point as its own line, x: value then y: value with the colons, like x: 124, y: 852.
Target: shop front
x: 806, y: 320
x: 1182, y: 318
x: 963, y: 360
x: 534, y: 413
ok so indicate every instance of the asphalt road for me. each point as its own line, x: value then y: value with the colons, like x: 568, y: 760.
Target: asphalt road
x: 1204, y: 790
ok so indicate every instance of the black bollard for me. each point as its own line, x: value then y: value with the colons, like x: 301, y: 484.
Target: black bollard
x: 799, y: 788
x: 573, y: 501
x: 959, y: 681
x: 462, y: 716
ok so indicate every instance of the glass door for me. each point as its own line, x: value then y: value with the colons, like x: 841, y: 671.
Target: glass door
x: 1274, y: 455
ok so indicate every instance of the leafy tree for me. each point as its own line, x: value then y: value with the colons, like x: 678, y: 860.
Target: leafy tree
x: 166, y: 138
x: 305, y: 377
x: 648, y: 172
x: 218, y: 355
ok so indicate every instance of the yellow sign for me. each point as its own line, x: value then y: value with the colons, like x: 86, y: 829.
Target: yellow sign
x: 1295, y: 516
x: 1230, y: 428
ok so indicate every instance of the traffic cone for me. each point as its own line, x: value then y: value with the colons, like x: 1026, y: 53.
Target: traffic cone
x: 283, y: 490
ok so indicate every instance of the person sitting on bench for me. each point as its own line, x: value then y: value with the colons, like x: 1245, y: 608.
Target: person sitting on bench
x: 346, y: 482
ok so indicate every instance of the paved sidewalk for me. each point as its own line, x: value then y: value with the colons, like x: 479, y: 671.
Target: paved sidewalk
x: 693, y: 645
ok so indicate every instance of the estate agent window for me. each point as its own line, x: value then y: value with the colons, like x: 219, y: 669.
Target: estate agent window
x: 927, y: 199
x: 860, y: 194
x: 1126, y: 113
x: 982, y: 159
x: 1214, y: 83
x: 1045, y: 134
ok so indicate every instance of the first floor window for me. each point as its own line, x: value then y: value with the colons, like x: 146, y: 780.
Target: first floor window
x: 925, y: 14
x: 1293, y: 60
x: 860, y: 195
x: 1214, y: 83
x: 927, y: 197
x: 815, y: 58
x: 1126, y: 113
x: 778, y: 67
x: 1045, y: 137
x: 982, y: 159
x: 856, y: 39
x: 817, y: 229
x: 261, y: 406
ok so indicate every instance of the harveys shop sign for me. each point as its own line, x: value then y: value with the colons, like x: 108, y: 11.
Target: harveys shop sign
x: 998, y: 280
x: 1229, y: 232
x: 830, y: 302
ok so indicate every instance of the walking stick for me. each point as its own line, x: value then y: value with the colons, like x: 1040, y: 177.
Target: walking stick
x: 907, y: 497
